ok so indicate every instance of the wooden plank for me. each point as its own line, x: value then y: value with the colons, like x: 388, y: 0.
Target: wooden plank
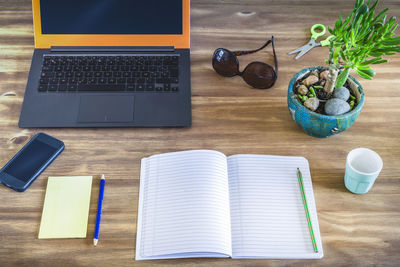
x: 228, y: 116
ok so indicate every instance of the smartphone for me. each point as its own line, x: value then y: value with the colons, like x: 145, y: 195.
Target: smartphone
x: 30, y: 161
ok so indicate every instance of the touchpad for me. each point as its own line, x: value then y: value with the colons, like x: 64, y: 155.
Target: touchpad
x: 106, y: 108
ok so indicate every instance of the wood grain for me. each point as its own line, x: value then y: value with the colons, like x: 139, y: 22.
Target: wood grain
x: 228, y: 116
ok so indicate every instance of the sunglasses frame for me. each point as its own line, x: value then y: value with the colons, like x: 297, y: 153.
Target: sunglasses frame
x: 237, y: 72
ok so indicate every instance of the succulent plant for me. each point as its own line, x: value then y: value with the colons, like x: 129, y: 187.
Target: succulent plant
x: 360, y: 40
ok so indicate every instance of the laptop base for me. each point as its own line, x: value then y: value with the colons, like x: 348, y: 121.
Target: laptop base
x: 107, y: 108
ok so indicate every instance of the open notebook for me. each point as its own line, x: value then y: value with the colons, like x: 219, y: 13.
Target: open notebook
x: 201, y: 203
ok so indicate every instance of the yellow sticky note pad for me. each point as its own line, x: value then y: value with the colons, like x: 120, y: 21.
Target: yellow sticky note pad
x: 66, y: 207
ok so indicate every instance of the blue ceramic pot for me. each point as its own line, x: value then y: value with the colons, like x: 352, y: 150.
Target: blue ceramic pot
x: 316, y: 124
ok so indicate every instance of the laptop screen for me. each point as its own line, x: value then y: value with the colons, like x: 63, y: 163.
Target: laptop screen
x: 111, y: 16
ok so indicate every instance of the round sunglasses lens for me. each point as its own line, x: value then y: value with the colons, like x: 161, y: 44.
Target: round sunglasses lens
x: 225, y: 63
x: 259, y: 75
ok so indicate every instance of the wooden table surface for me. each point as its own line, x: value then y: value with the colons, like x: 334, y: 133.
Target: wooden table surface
x: 228, y: 116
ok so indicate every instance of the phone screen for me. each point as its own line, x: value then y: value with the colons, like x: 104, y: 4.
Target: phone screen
x: 30, y: 160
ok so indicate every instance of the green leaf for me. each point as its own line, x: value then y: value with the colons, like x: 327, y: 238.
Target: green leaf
x: 336, y: 55
x: 363, y: 9
x: 366, y: 72
x: 371, y: 61
x: 342, y: 55
x: 372, y: 8
x: 357, y: 3
x: 338, y: 22
x: 363, y: 75
x: 363, y: 67
x: 342, y: 78
x: 392, y: 41
x: 380, y: 15
x: 393, y: 28
x: 376, y: 54
x: 370, y: 72
x: 380, y: 61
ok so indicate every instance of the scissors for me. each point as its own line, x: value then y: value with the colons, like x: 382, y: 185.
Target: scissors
x: 312, y: 43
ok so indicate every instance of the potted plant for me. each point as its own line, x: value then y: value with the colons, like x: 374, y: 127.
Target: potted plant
x: 327, y: 100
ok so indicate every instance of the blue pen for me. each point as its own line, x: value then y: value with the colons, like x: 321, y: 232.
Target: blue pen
x: 99, y: 204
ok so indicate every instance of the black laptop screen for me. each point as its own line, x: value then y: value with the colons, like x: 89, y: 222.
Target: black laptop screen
x: 111, y: 16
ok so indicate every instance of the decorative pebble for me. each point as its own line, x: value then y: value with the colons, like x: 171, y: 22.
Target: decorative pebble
x: 342, y: 93
x: 312, y: 103
x: 310, y: 80
x: 303, y: 90
x: 324, y: 75
x: 336, y: 106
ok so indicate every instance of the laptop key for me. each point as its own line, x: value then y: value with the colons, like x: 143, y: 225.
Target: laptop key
x: 140, y: 87
x: 121, y: 80
x: 42, y: 88
x: 167, y: 87
x: 101, y: 87
x: 130, y: 87
x: 62, y: 87
x: 92, y: 81
x: 53, y: 87
x: 72, y: 80
x: 53, y: 81
x: 173, y: 73
x: 47, y: 74
x: 44, y: 81
x: 71, y: 87
x: 140, y: 80
x: 82, y: 81
x: 150, y: 87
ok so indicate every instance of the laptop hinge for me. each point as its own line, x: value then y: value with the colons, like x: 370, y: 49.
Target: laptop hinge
x: 112, y: 49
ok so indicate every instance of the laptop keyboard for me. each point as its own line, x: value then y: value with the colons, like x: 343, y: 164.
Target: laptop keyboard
x: 109, y: 73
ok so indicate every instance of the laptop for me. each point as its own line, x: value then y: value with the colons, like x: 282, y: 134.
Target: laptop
x: 109, y: 63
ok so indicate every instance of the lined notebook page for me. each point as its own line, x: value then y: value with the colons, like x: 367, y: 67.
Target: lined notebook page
x: 267, y: 214
x: 184, y: 206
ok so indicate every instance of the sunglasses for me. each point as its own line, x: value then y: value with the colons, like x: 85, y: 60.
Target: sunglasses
x: 256, y: 74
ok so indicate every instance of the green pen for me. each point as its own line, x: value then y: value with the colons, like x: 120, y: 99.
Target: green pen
x: 303, y: 195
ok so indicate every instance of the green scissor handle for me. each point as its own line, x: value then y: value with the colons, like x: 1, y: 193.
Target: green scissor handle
x: 327, y: 41
x: 314, y: 34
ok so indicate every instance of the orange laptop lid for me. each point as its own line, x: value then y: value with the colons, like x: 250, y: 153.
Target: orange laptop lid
x: 47, y: 34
